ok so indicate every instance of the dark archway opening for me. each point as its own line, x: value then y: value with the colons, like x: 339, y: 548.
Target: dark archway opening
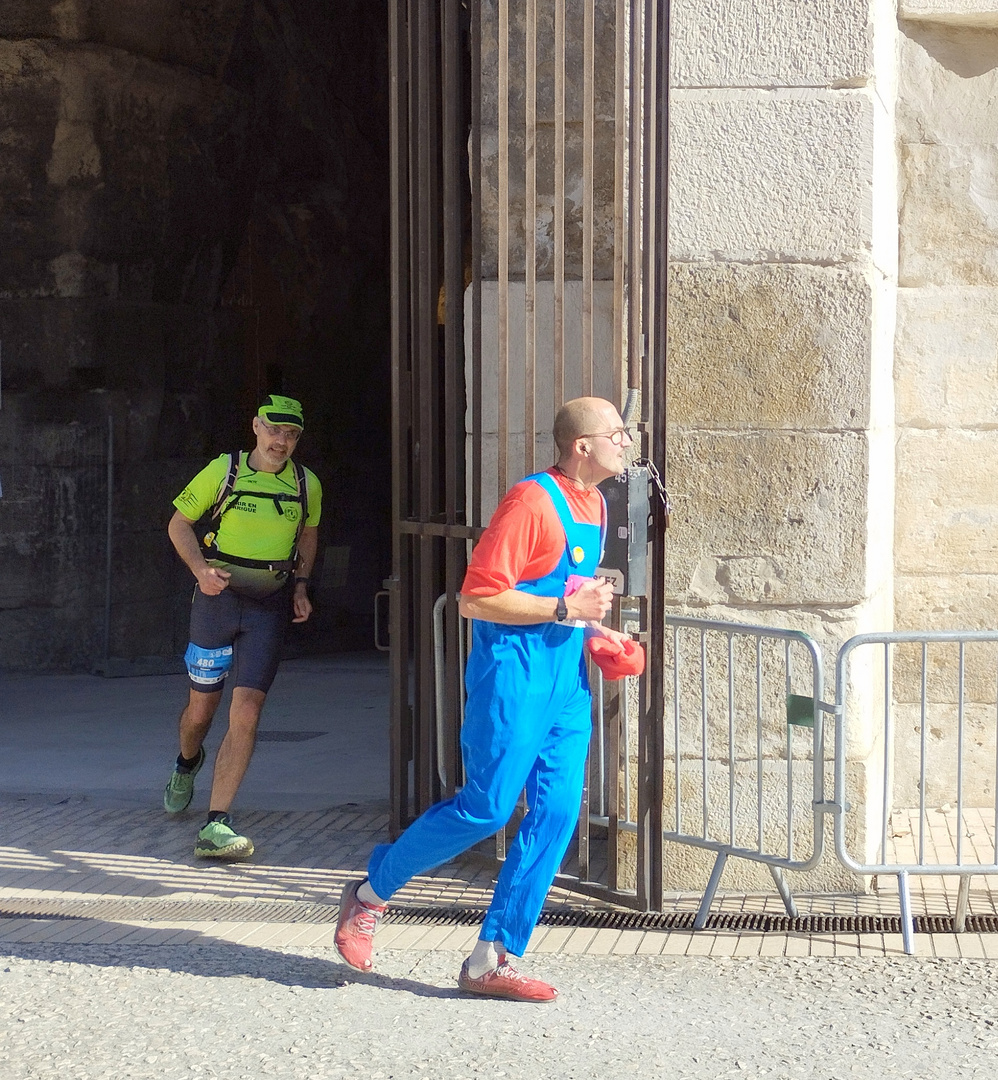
x: 194, y: 212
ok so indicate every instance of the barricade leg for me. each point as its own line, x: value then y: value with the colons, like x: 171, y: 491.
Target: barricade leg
x: 907, y: 923
x: 962, y: 903
x: 784, y: 890
x: 708, y: 897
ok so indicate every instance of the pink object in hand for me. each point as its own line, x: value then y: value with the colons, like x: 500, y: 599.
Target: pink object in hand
x: 616, y: 659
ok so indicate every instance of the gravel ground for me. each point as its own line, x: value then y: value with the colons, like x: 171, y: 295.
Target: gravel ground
x: 83, y: 1012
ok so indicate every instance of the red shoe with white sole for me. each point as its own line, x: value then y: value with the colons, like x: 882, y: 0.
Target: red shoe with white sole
x: 506, y: 982
x: 354, y: 938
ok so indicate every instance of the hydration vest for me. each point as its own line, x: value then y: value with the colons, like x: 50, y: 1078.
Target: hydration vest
x: 228, y: 496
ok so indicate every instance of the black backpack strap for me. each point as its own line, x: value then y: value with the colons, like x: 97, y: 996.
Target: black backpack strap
x: 302, y: 479
x: 227, y: 499
x: 225, y: 490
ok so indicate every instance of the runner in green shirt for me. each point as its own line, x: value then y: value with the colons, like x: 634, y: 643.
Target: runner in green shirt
x: 252, y: 577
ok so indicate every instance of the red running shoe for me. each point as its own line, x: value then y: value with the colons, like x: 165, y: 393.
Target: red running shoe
x: 506, y: 982
x: 354, y: 938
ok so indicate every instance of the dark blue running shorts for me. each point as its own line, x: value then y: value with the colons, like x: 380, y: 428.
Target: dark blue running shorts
x: 230, y: 632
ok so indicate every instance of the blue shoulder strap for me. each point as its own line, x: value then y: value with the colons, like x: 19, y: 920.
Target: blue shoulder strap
x: 575, y: 532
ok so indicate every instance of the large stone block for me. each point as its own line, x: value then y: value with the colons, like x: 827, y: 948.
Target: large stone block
x: 802, y: 193
x: 767, y: 520
x: 945, y: 370
x: 949, y: 216
x: 947, y: 77
x: 947, y: 502
x: 772, y: 346
x: 953, y: 764
x: 117, y: 182
x: 195, y: 33
x: 977, y: 13
x: 601, y: 80
x: 770, y: 43
x: 925, y: 602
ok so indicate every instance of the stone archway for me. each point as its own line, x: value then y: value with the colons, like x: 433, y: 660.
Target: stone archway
x: 193, y: 213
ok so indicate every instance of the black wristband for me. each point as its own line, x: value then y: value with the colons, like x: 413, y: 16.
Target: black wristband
x: 561, y: 611
x: 303, y: 581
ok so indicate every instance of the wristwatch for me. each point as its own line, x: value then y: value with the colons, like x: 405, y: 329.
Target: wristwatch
x: 561, y: 611
x: 302, y: 581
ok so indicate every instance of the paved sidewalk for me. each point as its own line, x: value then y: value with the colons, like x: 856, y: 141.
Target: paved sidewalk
x: 87, y: 855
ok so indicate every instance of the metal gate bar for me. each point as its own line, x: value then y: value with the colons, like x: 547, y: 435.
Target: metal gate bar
x: 473, y: 394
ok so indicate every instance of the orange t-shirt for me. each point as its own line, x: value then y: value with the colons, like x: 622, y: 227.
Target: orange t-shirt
x: 525, y: 539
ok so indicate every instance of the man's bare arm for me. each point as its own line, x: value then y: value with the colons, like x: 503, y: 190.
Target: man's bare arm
x: 211, y: 580
x: 590, y: 603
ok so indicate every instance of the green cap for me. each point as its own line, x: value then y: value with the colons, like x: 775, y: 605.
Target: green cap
x: 282, y: 410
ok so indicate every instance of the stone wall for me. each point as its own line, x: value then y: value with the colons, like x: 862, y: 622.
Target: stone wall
x: 140, y: 141
x: 946, y: 546
x: 782, y: 231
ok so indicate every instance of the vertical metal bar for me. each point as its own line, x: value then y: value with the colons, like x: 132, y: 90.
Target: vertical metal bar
x: 453, y: 243
x: 888, y: 735
x: 923, y: 819
x: 704, y: 808
x: 625, y: 723
x: 530, y: 243
x: 654, y: 754
x: 502, y: 367
x: 676, y: 689
x: 398, y: 657
x: 636, y: 202
x: 559, y: 203
x: 731, y: 741
x: 601, y: 764
x: 428, y: 150
x: 994, y: 786
x: 475, y: 164
x: 790, y: 756
x: 620, y: 113
x: 758, y: 741
x: 615, y: 691
x: 109, y: 537
x: 588, y: 133
x: 907, y: 922
x: 959, y: 753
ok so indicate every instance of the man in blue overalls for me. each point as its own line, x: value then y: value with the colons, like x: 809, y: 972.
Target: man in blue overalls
x: 531, y: 591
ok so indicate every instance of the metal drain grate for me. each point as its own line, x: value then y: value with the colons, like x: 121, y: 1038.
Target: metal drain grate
x: 298, y: 911
x: 288, y: 736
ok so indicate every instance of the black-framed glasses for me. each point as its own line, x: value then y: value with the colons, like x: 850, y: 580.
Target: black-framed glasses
x: 292, y: 434
x: 616, y: 436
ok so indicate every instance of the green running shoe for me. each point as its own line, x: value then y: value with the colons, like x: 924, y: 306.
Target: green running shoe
x: 218, y: 840
x: 180, y: 789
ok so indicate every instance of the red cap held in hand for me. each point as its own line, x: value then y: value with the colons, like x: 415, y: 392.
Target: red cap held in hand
x: 617, y: 659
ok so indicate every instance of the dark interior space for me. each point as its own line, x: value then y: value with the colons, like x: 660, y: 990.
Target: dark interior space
x: 194, y: 212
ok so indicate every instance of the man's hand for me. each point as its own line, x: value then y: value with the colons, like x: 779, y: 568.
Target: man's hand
x: 591, y: 601
x: 302, y: 604
x: 211, y: 580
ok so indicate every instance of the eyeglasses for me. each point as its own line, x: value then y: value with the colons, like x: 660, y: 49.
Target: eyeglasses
x: 292, y: 434
x: 616, y: 436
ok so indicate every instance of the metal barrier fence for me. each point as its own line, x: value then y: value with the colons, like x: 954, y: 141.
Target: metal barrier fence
x: 937, y: 695
x: 747, y: 747
x: 746, y: 754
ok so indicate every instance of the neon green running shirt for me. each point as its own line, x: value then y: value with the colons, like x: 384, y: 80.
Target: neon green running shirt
x: 253, y: 528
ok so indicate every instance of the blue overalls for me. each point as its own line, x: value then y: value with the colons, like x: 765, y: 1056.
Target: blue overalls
x: 527, y: 724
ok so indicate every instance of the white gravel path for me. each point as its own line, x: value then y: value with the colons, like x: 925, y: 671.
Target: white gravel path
x: 120, y: 1012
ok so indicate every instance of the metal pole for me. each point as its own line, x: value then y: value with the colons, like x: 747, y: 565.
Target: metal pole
x: 109, y: 544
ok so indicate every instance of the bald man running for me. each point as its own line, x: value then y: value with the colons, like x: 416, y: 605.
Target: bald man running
x: 531, y: 591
